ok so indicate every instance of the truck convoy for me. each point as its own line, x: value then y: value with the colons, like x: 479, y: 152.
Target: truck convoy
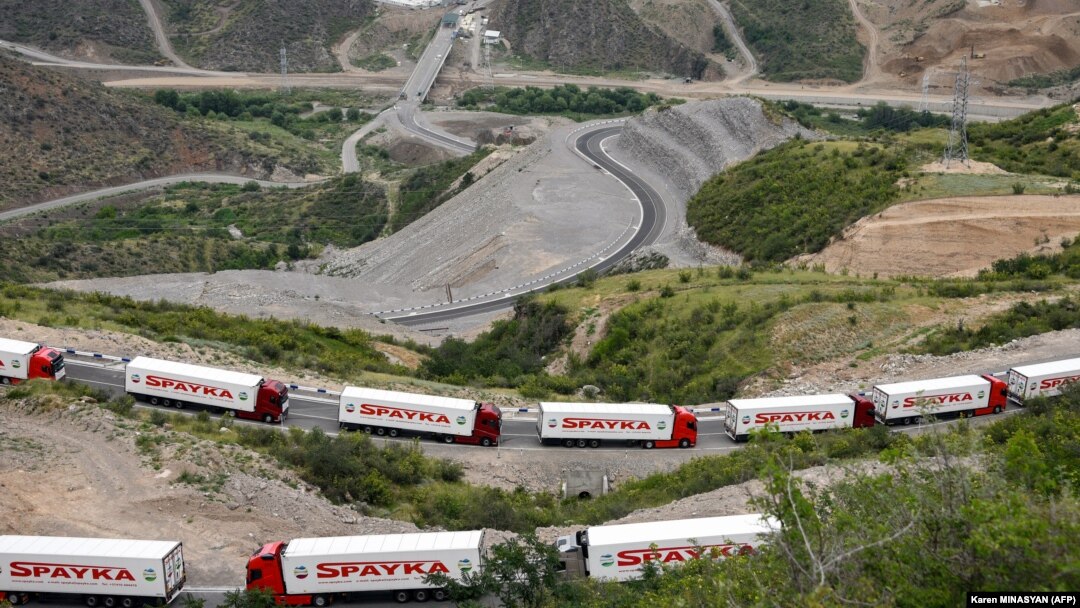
x: 908, y: 402
x: 178, y: 385
x: 1042, y: 380
x: 444, y: 418
x: 591, y: 424
x: 793, y: 414
x: 618, y: 552
x: 92, y: 571
x: 27, y: 360
x: 314, y: 571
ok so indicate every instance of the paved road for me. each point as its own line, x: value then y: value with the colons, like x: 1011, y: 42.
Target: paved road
x: 309, y: 411
x: 144, y: 185
x: 47, y: 59
x: 653, y: 217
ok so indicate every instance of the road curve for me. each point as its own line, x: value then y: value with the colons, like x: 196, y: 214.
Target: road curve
x: 156, y: 24
x: 732, y: 31
x: 653, y: 217
x: 213, y: 178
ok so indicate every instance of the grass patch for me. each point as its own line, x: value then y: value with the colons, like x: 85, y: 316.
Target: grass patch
x: 428, y: 187
x: 290, y: 344
x: 376, y: 62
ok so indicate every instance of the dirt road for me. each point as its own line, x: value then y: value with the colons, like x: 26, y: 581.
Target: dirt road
x: 951, y: 236
x: 870, y: 64
x: 156, y: 24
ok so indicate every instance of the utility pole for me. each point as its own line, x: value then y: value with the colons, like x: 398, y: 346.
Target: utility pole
x: 925, y: 105
x: 284, y: 70
x: 957, y: 148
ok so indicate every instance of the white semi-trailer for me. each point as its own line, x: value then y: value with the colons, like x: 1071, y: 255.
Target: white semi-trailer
x: 618, y: 552
x: 20, y: 360
x: 793, y: 414
x: 92, y: 571
x: 591, y: 424
x: 1042, y: 379
x: 315, y: 571
x: 908, y: 402
x: 445, y: 418
x: 179, y: 385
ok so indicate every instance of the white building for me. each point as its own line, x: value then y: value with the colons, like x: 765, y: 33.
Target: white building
x: 491, y: 36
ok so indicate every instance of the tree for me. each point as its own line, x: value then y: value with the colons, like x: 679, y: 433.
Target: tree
x: 353, y: 115
x: 249, y: 598
x: 520, y: 572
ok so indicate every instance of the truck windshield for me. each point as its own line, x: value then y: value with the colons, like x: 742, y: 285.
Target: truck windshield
x: 57, y: 362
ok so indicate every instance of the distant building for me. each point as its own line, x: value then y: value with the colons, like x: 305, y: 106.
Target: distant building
x: 491, y: 36
x: 450, y: 20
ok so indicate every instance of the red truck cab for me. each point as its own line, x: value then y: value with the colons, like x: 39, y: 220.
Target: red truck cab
x: 271, y: 403
x: 864, y: 412
x: 486, y: 429
x: 684, y: 433
x: 264, y: 572
x: 999, y: 396
x: 42, y: 362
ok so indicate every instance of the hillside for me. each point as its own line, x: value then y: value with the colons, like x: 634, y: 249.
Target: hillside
x: 809, y: 40
x: 62, y: 134
x: 247, y: 35
x: 598, y: 36
x: 97, y: 30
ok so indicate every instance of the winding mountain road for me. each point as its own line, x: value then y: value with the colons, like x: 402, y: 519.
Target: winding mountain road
x: 589, y: 143
x: 750, y: 64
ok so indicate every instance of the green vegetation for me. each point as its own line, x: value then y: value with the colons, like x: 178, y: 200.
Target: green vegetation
x: 808, y: 40
x: 279, y: 110
x: 502, y: 355
x: 376, y: 62
x: 1044, y: 141
x: 292, y: 344
x: 877, y: 118
x: 953, y: 511
x: 187, y: 229
x: 721, y: 44
x: 428, y: 187
x: 1020, y: 321
x: 794, y: 198
x: 116, y: 28
x: 568, y: 100
x: 1046, y: 81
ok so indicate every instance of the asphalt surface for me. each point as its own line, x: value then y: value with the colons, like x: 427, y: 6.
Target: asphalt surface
x: 653, y: 217
x: 309, y: 411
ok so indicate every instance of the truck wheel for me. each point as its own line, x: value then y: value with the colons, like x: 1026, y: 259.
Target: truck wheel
x: 166, y: 402
x: 368, y: 429
x: 127, y: 602
x: 267, y: 418
x: 594, y: 443
x: 448, y: 439
x: 91, y: 601
x: 109, y: 602
x: 12, y: 598
x: 908, y: 421
x: 568, y: 443
x: 318, y: 601
x: 393, y: 432
x: 648, y: 445
x: 154, y: 401
x: 581, y: 443
x: 5, y: 380
x: 684, y: 443
x: 997, y: 409
x: 439, y: 595
x: 380, y: 431
x: 420, y: 595
x: 485, y: 442
x: 401, y: 596
x: 178, y: 404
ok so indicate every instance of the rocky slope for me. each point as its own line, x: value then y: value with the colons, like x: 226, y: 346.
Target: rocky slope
x: 61, y: 134
x: 603, y: 35
x: 247, y: 35
x: 98, y: 30
x: 692, y: 142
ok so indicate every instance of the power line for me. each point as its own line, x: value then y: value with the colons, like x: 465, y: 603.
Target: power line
x: 957, y: 148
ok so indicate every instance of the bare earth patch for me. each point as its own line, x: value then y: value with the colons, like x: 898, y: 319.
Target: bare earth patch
x: 951, y: 236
